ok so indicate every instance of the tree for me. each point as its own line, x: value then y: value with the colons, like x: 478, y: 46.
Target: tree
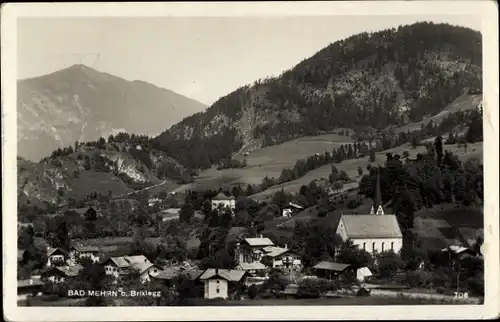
x: 372, y: 155
x: 186, y: 213
x: 438, y: 145
x: 351, y: 254
x: 389, y: 263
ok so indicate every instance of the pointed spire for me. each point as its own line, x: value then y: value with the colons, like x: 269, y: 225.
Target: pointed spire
x: 377, y: 201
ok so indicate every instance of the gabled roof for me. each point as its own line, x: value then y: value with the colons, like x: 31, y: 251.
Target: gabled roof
x: 457, y: 249
x: 51, y: 251
x: 371, y: 226
x: 222, y: 196
x: 329, y: 266
x: 230, y: 275
x: 293, y: 205
x: 259, y: 241
x: 273, y: 251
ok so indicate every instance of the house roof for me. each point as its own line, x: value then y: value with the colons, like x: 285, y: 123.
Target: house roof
x: 70, y: 271
x: 273, y: 251
x: 171, y: 211
x: 259, y: 241
x: 139, y: 262
x: 363, y: 272
x: 457, y: 249
x: 51, y: 251
x: 329, y: 266
x: 169, y: 273
x: 84, y: 248
x: 371, y: 226
x: 293, y: 205
x: 231, y: 275
x: 252, y: 266
x: 222, y: 196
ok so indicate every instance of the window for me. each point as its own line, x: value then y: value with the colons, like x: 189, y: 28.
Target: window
x: 392, y: 246
x: 373, y: 247
x: 218, y: 281
x: 382, y: 246
x: 364, y: 246
x: 217, y: 290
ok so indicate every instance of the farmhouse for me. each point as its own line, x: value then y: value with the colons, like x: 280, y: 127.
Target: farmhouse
x: 56, y: 256
x: 124, y: 265
x: 251, y: 249
x: 329, y: 269
x: 60, y: 274
x: 221, y: 200
x: 221, y: 283
x: 291, y: 209
x: 80, y: 251
x: 281, y: 257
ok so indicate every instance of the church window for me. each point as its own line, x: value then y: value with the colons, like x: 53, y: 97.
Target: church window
x: 392, y: 246
x: 373, y: 247
x: 382, y: 246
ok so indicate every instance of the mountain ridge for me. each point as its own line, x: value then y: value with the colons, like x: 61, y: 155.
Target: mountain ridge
x: 79, y: 103
x: 391, y: 77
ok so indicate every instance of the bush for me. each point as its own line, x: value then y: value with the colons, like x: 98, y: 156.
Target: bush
x: 406, y: 154
x: 475, y: 285
x: 252, y: 291
x: 418, y: 278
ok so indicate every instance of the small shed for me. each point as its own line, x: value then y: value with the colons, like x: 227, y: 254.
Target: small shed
x: 330, y: 269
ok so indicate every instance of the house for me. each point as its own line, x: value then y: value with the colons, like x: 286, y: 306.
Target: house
x: 458, y: 252
x: 56, y: 256
x: 376, y: 232
x: 80, y: 251
x: 125, y: 265
x: 153, y: 201
x: 221, y: 200
x: 221, y: 283
x: 169, y: 275
x: 59, y: 274
x: 250, y: 250
x: 27, y: 287
x: 329, y: 269
x: 254, y: 269
x: 281, y: 257
x: 291, y: 209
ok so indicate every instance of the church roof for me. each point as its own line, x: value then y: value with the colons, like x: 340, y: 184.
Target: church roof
x: 222, y: 196
x: 370, y: 226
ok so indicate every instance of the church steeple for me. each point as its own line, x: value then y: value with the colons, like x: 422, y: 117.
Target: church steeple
x: 377, y: 200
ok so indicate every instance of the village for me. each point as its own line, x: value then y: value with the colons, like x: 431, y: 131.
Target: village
x: 260, y: 266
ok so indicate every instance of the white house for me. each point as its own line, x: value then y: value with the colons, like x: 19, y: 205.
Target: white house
x: 282, y: 258
x: 55, y: 257
x: 59, y: 274
x: 225, y: 201
x: 220, y: 283
x: 290, y: 209
x: 250, y: 250
x: 120, y: 266
x: 372, y: 233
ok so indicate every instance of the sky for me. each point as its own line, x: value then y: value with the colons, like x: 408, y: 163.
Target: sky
x: 203, y: 58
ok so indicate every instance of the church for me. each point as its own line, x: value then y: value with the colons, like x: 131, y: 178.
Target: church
x: 375, y: 232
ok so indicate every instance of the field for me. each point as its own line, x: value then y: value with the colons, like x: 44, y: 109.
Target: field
x: 448, y: 224
x: 462, y: 103
x: 351, y: 166
x: 267, y: 161
x: 90, y: 181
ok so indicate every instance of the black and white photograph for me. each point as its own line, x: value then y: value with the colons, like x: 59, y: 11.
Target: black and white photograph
x: 315, y: 161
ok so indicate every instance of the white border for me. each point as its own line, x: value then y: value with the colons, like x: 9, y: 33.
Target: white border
x: 488, y: 12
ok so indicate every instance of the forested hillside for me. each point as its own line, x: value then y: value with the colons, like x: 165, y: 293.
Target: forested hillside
x: 365, y: 82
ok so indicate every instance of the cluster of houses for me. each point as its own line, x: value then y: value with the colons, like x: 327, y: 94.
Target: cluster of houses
x: 254, y: 257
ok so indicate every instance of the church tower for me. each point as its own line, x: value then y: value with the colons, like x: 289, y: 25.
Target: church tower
x: 377, y: 200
